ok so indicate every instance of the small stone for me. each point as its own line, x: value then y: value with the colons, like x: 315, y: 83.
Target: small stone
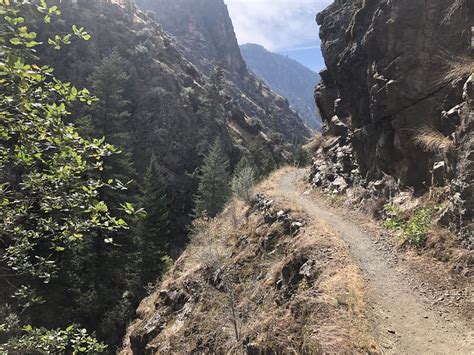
x: 391, y: 331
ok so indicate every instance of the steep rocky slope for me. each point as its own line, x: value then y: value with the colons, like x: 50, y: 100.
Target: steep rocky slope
x: 256, y: 280
x: 204, y: 33
x: 396, y: 98
x: 287, y: 77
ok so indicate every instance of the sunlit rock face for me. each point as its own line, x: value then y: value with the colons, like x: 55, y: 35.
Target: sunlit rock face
x: 124, y: 3
x: 203, y: 28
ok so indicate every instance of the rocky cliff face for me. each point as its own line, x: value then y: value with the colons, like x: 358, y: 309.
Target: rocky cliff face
x: 395, y: 98
x: 203, y: 30
x: 204, y: 33
x: 287, y: 77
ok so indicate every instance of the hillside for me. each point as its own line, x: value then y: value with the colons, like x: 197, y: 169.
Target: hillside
x: 260, y: 278
x: 165, y: 94
x: 204, y: 33
x: 375, y: 254
x: 288, y: 78
x: 290, y: 272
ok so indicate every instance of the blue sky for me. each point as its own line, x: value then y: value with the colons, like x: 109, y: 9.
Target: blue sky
x: 283, y: 26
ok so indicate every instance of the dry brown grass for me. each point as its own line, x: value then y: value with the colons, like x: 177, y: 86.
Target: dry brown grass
x: 458, y: 67
x: 432, y: 140
x: 451, y: 11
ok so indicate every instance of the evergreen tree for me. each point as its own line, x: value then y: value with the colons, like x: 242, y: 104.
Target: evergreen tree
x: 214, y: 182
x: 262, y: 159
x: 155, y: 226
x: 301, y: 157
x: 107, y: 268
x: 212, y: 97
x: 242, y: 164
x: 211, y: 109
x: 110, y: 118
x: 243, y: 184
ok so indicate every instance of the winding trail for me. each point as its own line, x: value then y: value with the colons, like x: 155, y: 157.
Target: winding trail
x: 404, y: 321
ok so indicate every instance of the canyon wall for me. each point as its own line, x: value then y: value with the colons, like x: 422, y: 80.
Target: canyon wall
x: 396, y: 97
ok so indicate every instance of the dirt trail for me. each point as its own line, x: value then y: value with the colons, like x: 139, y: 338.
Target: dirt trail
x: 405, y: 323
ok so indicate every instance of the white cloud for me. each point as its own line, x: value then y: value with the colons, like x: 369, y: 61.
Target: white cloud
x: 276, y: 24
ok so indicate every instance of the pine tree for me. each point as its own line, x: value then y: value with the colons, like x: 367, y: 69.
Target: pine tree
x: 155, y: 226
x: 112, y: 260
x: 110, y: 118
x: 300, y: 155
x: 216, y: 85
x: 262, y: 158
x: 212, y: 109
x: 242, y: 164
x: 243, y: 184
x: 214, y: 182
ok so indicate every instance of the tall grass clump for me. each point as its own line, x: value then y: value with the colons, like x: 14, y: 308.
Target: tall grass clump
x: 243, y: 184
x: 432, y: 140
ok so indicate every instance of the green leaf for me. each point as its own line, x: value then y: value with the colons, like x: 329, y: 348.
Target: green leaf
x: 15, y: 41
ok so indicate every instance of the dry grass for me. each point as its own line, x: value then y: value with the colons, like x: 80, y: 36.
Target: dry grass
x: 431, y: 140
x: 458, y: 67
x: 451, y: 11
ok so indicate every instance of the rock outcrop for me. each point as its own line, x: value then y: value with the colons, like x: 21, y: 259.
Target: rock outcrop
x: 203, y: 30
x: 396, y: 95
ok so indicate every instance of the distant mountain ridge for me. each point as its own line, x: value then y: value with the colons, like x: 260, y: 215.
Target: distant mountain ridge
x: 287, y: 77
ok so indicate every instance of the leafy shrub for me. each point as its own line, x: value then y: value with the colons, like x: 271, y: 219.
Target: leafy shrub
x: 393, y: 220
x: 415, y: 229
x: 72, y: 340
